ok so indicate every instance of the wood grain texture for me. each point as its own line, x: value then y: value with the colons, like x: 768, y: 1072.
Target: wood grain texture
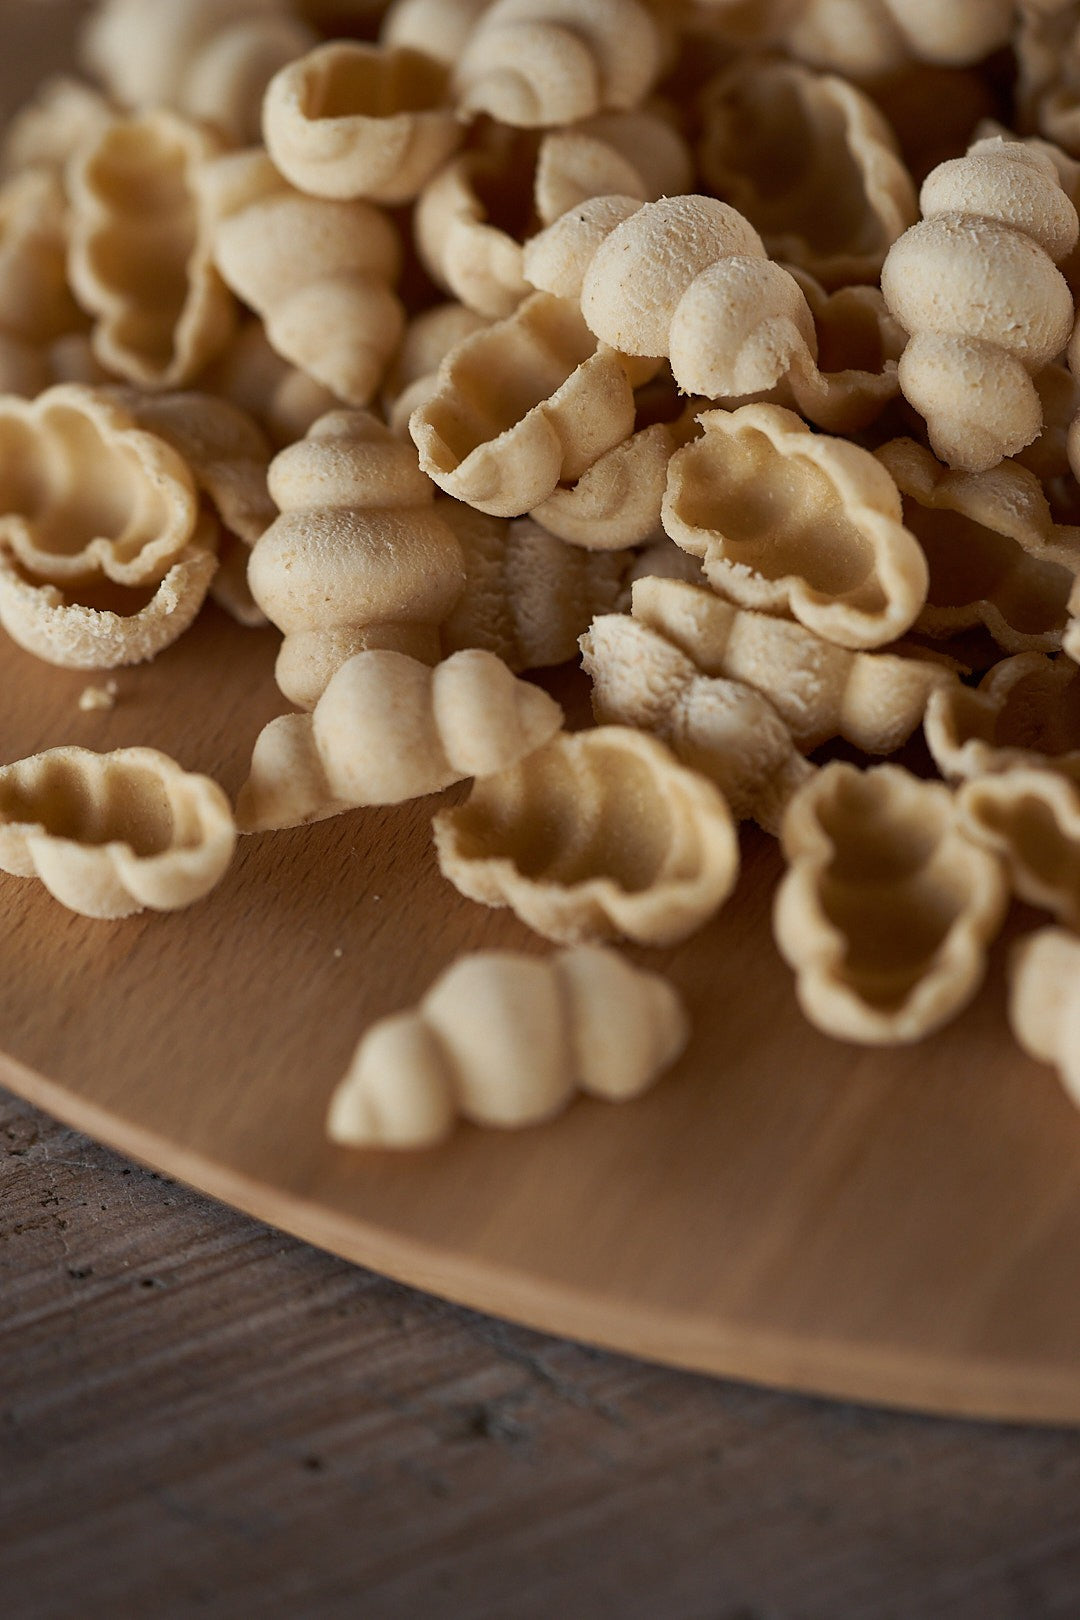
x: 895, y: 1226
x: 201, y: 1417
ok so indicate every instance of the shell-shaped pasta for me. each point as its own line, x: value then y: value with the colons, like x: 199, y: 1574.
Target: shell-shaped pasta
x: 318, y: 271
x: 1024, y: 713
x: 140, y: 256
x: 506, y: 1040
x: 63, y: 115
x: 389, y: 728
x: 36, y: 305
x: 352, y: 120
x: 439, y: 27
x: 521, y: 407
x: 358, y: 558
x: 1044, y: 1001
x: 844, y: 380
x: 537, y: 63
x: 722, y: 728
x: 111, y: 834
x: 528, y: 596
x: 886, y: 909
x: 429, y: 338
x: 796, y: 523
x: 1048, y: 82
x: 1031, y: 818
x: 208, y: 60
x: 994, y: 553
x: 284, y: 400
x: 472, y: 219
x: 105, y: 627
x: 975, y: 284
x: 881, y: 35
x: 809, y: 160
x: 686, y: 277
x: 617, y: 501
x: 873, y: 700
x: 85, y: 491
x: 597, y: 835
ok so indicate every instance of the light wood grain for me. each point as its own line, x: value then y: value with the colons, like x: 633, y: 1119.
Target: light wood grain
x: 902, y: 1227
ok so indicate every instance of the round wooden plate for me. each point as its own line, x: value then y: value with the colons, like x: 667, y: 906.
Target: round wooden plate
x: 899, y: 1226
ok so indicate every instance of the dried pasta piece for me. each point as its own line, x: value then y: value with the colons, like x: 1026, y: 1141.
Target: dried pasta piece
x: 597, y: 835
x: 429, y: 338
x: 521, y: 407
x: 685, y: 277
x: 507, y: 1040
x: 358, y: 558
x: 538, y: 63
x: 112, y: 834
x: 1024, y: 713
x: 85, y: 491
x: 318, y: 271
x: 284, y: 400
x: 994, y: 553
x: 389, y: 728
x: 874, y: 700
x: 353, y: 120
x: 886, y: 909
x: 528, y: 596
x: 1031, y: 818
x: 722, y: 728
x: 140, y: 257
x: 208, y: 60
x: 1044, y: 1003
x: 36, y: 306
x: 809, y: 160
x: 880, y: 35
x: 795, y: 523
x: 439, y: 27
x: 1047, y: 50
x: 976, y: 286
x: 62, y: 116
x: 472, y: 219
x: 105, y: 626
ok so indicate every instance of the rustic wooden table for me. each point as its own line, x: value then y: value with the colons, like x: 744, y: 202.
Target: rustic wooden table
x: 200, y: 1416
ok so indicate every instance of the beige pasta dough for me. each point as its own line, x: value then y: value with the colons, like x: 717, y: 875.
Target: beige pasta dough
x: 1044, y: 1001
x: 389, y: 728
x: 597, y: 835
x: 886, y: 909
x: 1024, y: 712
x: 507, y: 1040
x: 112, y: 834
x: 1032, y: 819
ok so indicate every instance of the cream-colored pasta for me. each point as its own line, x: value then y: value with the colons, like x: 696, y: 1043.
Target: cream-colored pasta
x: 528, y: 596
x: 526, y: 404
x: 886, y: 909
x: 85, y: 491
x: 102, y: 625
x: 62, y: 116
x: 1048, y: 80
x: 389, y: 728
x: 140, y: 257
x: 809, y: 160
x: 319, y: 272
x: 506, y: 1040
x: 413, y: 376
x: 36, y: 306
x: 358, y: 558
x: 111, y: 834
x: 597, y: 835
x: 686, y: 277
x: 1031, y: 818
x: 284, y: 400
x: 873, y: 700
x: 1025, y: 712
x: 352, y: 120
x: 1044, y: 1001
x: 439, y: 27
x: 472, y: 219
x: 796, y: 523
x: 537, y: 63
x: 881, y: 35
x: 722, y: 728
x: 208, y: 60
x: 994, y: 553
x: 975, y: 284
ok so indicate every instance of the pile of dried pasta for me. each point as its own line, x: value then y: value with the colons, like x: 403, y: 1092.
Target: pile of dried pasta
x: 730, y: 344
